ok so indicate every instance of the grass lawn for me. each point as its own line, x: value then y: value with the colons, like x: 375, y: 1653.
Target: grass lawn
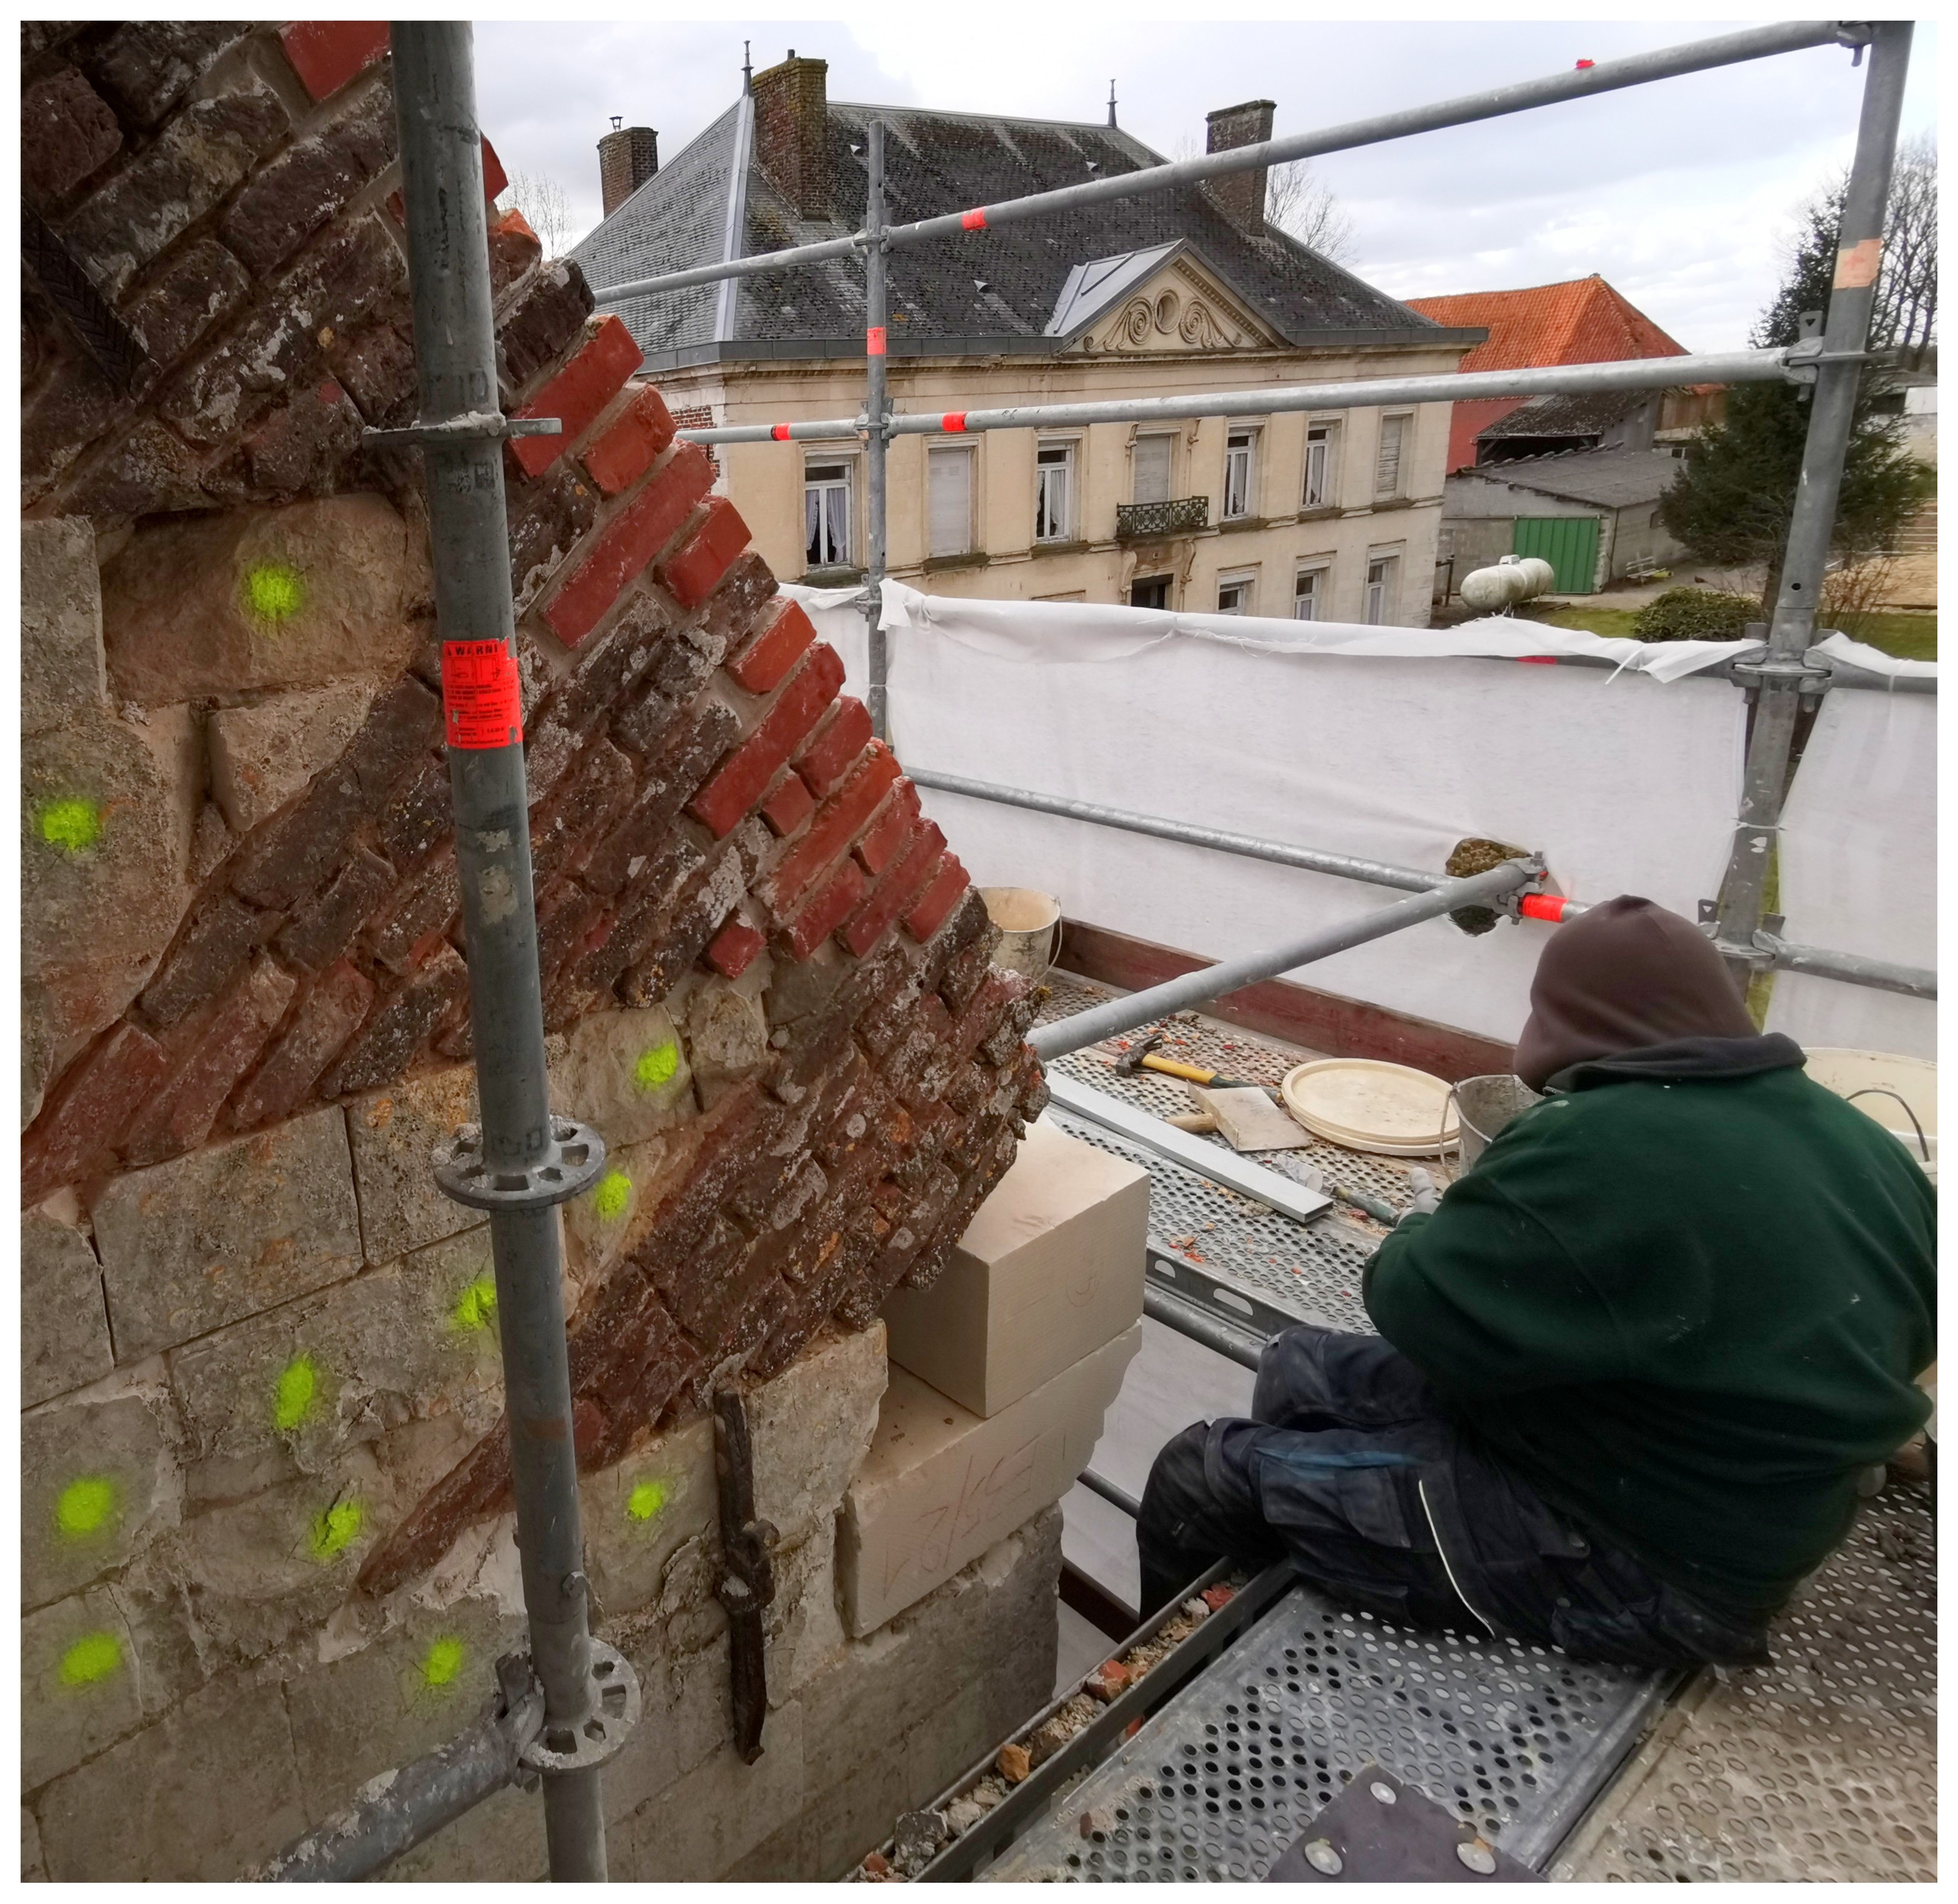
x: 1910, y: 637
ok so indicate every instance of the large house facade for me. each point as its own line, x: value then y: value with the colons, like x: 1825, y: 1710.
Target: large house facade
x: 1329, y: 516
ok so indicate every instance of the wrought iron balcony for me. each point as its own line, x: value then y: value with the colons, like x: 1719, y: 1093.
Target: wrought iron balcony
x: 1150, y: 521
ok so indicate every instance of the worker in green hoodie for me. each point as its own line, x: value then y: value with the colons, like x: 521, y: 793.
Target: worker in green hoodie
x: 1630, y: 1369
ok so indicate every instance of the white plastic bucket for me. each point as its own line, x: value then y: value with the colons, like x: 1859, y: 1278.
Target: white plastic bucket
x: 1483, y: 1106
x: 1900, y: 1093
x: 1029, y: 923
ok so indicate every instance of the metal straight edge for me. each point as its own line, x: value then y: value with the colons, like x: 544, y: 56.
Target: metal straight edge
x: 1607, y: 76
x: 455, y: 350
x: 1784, y: 677
x: 1209, y: 982
x: 1259, y: 400
x: 1213, y: 1160
x: 877, y: 435
x: 1029, y: 1799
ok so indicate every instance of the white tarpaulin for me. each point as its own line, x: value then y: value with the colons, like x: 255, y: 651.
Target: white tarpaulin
x: 1391, y: 743
x: 1859, y: 870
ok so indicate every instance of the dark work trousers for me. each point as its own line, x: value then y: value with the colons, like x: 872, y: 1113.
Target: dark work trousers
x: 1352, y: 1470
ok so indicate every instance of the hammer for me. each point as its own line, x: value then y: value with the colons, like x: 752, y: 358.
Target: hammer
x: 1142, y: 1057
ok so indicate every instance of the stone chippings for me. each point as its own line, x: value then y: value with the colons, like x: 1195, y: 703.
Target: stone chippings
x: 262, y: 1375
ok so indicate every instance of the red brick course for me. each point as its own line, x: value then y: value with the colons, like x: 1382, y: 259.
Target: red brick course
x: 734, y: 948
x: 766, y: 659
x: 834, y: 750
x: 788, y: 805
x: 629, y: 446
x: 693, y: 573
x: 721, y: 804
x: 835, y: 825
x: 327, y: 53
x: 577, y: 393
x: 925, y: 918
x: 628, y: 542
x: 885, y: 837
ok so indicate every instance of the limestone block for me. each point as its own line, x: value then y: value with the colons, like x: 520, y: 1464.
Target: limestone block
x: 165, y: 1639
x: 264, y: 754
x: 625, y: 1073
x: 610, y: 1218
x: 695, y: 1830
x: 230, y: 1230
x: 727, y: 1034
x: 812, y: 1427
x: 78, y: 1684
x: 637, y: 1513
x: 1049, y: 1268
x: 33, y: 1864
x: 97, y: 1480
x: 802, y: 1632
x: 686, y: 1713
x: 941, y: 1485
x: 206, y: 1793
x: 247, y: 599
x: 394, y: 1133
x: 287, y: 1393
x: 62, y: 671
x: 108, y: 808
x: 391, y: 1702
x: 64, y: 1327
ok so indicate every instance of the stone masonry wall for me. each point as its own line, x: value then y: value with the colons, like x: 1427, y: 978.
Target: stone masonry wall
x: 266, y: 1480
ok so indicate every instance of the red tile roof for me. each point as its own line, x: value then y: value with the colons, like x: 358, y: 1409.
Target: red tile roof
x: 1582, y: 321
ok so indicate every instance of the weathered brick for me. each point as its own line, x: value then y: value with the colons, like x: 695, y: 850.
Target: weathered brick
x: 150, y: 471
x: 199, y: 291
x: 586, y: 803
x: 837, y: 823
x: 692, y: 572
x: 431, y: 1000
x: 197, y: 158
x: 401, y: 725
x: 696, y: 915
x: 220, y: 935
x: 66, y: 133
x: 324, y: 926
x: 548, y: 519
x: 328, y: 1016
x: 327, y: 53
x: 788, y: 805
x: 496, y: 180
x: 310, y: 446
x: 264, y: 753
x: 732, y: 610
x: 229, y: 1230
x: 78, y: 404
x: 422, y: 906
x: 180, y: 1115
x: 773, y: 650
x: 935, y: 907
x: 670, y: 781
x: 146, y: 66
x: 734, y: 948
x: 831, y: 903
x: 628, y: 542
x: 604, y: 672
x: 64, y: 1327
x: 547, y: 311
x: 886, y: 835
x: 722, y: 802
x: 285, y: 859
x: 895, y: 891
x: 631, y: 443
x: 375, y: 365
x: 418, y: 816
x: 577, y: 393
x: 87, y: 1112
x: 309, y: 183
x: 346, y: 270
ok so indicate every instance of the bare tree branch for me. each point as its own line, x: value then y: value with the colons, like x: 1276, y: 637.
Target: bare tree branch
x: 545, y: 207
x: 1298, y: 204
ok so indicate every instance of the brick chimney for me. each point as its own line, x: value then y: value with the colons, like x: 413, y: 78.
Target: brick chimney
x: 1240, y: 196
x: 628, y: 157
x: 792, y: 131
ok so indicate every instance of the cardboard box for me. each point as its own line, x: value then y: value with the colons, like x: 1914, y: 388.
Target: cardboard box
x: 1049, y: 1268
x: 941, y: 1485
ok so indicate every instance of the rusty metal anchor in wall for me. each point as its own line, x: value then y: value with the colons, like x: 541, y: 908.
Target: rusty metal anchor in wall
x: 747, y: 1585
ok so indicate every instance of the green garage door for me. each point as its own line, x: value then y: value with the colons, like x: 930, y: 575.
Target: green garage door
x: 1568, y: 543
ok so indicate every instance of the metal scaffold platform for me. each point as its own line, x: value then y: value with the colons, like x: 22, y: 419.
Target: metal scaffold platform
x: 1821, y: 1766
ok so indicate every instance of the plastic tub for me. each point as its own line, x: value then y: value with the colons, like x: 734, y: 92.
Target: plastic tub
x: 1361, y: 1104
x: 1900, y: 1093
x: 1029, y: 923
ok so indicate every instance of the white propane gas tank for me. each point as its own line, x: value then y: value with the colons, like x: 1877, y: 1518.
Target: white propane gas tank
x: 1513, y: 579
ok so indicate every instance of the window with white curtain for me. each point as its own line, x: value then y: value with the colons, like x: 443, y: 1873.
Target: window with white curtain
x: 825, y: 495
x: 1308, y: 594
x: 1381, y: 571
x: 1321, y: 441
x: 949, y: 482
x: 1240, y: 451
x: 1054, y: 492
x: 1394, y: 431
x: 1154, y: 457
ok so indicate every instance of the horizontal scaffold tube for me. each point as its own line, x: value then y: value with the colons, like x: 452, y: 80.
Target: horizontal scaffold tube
x: 1355, y: 392
x: 1211, y: 982
x: 1605, y: 76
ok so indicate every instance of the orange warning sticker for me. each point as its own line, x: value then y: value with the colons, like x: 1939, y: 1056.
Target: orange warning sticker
x: 481, y: 703
x: 1856, y: 267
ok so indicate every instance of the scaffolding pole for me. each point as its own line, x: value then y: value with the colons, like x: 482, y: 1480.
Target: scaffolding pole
x: 1584, y: 82
x: 1781, y: 679
x: 877, y: 432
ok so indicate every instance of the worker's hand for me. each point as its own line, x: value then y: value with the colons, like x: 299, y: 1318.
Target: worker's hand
x: 1426, y: 1198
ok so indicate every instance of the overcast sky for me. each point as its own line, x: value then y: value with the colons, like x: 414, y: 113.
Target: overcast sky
x: 1681, y: 194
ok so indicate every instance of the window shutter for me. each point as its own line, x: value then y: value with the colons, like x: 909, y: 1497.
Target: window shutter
x: 951, y: 484
x: 1152, y: 468
x: 1387, y: 479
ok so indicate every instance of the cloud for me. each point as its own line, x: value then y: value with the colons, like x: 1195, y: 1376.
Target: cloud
x: 1681, y: 193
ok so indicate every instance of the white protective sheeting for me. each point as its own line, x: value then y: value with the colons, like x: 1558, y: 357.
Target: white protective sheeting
x: 1859, y: 868
x: 1391, y: 743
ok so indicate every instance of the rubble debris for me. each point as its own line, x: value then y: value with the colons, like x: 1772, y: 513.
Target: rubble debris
x: 1014, y: 1763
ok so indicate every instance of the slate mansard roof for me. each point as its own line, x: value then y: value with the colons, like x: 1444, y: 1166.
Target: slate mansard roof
x: 997, y: 292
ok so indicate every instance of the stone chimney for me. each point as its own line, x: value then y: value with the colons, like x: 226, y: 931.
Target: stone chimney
x: 792, y: 131
x: 628, y: 157
x: 1240, y: 196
